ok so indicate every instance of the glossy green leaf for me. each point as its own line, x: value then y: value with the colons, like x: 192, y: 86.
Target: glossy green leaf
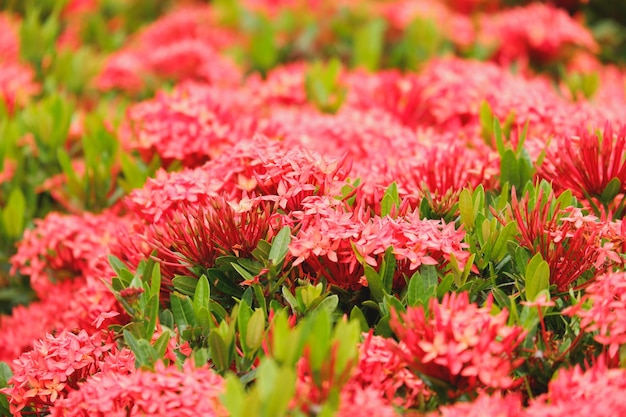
x: 280, y: 246
x: 537, y: 277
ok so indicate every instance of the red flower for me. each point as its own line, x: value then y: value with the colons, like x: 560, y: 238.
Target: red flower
x: 329, y: 233
x: 598, y: 391
x: 536, y: 31
x: 195, y: 235
x: 167, y: 392
x: 570, y: 242
x: 587, y: 162
x: 382, y: 370
x: 485, y: 405
x: 459, y: 344
x: 56, y: 366
x: 606, y: 311
x: 65, y: 247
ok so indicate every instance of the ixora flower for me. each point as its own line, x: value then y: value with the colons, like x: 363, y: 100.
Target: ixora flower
x: 166, y: 392
x: 183, y: 45
x: 458, y: 345
x: 496, y: 405
x: 597, y: 391
x: 192, y: 124
x: 571, y: 242
x: 537, y: 31
x: 587, y: 163
x: 441, y: 172
x: 330, y: 233
x: 380, y: 369
x: 65, y: 248
x: 196, y: 235
x: 57, y: 365
x: 603, y: 310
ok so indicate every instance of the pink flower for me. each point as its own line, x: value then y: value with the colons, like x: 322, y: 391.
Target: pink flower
x: 167, y: 392
x: 495, y: 405
x: 536, y: 31
x: 65, y: 248
x: 55, y: 366
x: 603, y: 310
x: 585, y: 163
x: 459, y: 344
x: 598, y: 391
x: 569, y: 241
x: 380, y: 369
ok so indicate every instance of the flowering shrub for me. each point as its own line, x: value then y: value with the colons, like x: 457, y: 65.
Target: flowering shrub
x: 312, y: 208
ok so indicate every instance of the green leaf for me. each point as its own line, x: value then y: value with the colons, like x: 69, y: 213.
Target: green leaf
x: 219, y: 351
x: 263, y: 49
x: 185, y: 285
x: 202, y: 295
x: 5, y: 374
x: 329, y: 304
x: 537, y: 277
x: 374, y: 283
x: 486, y: 122
x: 247, y: 276
x: 117, y: 265
x: 391, y: 199
x: 145, y: 354
x: 388, y: 269
x: 276, y: 387
x: 466, y: 209
x: 291, y: 299
x: 357, y: 315
x: 255, y: 330
x: 160, y: 346
x: 151, y: 313
x: 234, y: 397
x: 182, y: 309
x: 611, y: 190
x: 368, y: 44
x: 280, y: 246
x: 497, y: 132
x: 509, y: 170
x: 421, y: 288
x: 13, y: 215
x: 499, y: 247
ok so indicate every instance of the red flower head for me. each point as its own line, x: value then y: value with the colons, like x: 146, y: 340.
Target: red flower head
x: 65, y: 247
x: 56, y: 366
x: 183, y: 45
x: 598, y: 391
x: 536, y: 31
x: 587, y: 162
x: 570, y: 242
x: 167, y: 392
x: 193, y: 124
x: 607, y: 312
x: 493, y: 406
x: 459, y: 344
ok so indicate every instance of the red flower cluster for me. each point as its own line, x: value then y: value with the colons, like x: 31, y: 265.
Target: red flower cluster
x: 17, y: 81
x: 606, y: 314
x: 330, y: 233
x: 192, y: 124
x: 57, y: 365
x: 458, y: 344
x: 183, y: 45
x: 598, y: 391
x: 66, y: 247
x: 570, y: 242
x: 537, y: 31
x: 382, y: 370
x: 166, y: 392
x: 587, y: 162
